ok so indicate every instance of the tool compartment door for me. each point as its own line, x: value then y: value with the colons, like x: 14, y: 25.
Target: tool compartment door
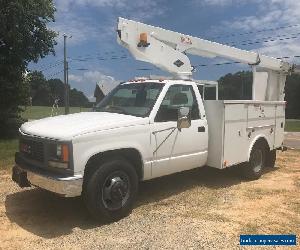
x: 235, y: 137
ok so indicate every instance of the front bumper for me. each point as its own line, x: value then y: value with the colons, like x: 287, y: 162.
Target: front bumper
x: 70, y: 186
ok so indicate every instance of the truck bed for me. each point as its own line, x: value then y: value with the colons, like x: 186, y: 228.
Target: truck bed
x: 233, y: 127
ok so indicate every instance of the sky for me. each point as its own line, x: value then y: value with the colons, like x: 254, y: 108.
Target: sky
x: 270, y: 27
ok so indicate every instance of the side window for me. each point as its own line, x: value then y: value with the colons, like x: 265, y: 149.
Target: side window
x: 209, y: 93
x: 200, y: 88
x: 177, y: 96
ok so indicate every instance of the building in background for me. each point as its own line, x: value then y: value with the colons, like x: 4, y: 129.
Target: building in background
x: 98, y: 93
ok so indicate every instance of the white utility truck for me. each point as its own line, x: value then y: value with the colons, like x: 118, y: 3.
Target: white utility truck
x: 146, y: 128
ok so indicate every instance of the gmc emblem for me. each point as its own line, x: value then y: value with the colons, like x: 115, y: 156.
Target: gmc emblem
x: 25, y: 148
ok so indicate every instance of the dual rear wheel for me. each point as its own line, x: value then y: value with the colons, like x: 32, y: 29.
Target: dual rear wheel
x: 260, y: 157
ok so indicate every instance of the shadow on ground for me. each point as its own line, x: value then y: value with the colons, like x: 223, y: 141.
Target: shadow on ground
x: 49, y: 216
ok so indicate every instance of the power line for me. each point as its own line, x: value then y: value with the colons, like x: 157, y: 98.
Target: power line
x: 266, y: 41
x: 80, y: 69
x: 54, y: 74
x: 256, y: 31
x: 100, y: 54
x: 144, y: 69
x: 97, y: 58
x: 49, y: 66
x: 264, y: 38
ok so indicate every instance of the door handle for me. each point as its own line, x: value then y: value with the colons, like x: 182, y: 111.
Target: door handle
x: 201, y: 129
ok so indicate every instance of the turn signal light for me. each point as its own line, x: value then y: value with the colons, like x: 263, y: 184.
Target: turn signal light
x: 65, y: 153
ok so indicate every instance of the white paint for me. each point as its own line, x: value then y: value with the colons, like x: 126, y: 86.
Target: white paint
x: 259, y: 86
x: 66, y: 127
x: 234, y: 127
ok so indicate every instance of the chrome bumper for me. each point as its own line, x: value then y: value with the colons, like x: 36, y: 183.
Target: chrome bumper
x: 65, y: 186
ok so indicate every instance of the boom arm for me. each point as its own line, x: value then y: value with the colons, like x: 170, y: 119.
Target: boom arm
x: 174, y: 45
x: 167, y: 50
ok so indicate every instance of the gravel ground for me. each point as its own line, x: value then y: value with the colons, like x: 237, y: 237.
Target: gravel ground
x: 199, y: 209
x: 292, y: 140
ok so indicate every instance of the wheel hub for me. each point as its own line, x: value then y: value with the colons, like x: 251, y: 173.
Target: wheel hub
x: 118, y: 189
x: 115, y: 191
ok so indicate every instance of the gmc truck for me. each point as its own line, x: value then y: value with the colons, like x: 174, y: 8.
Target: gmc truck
x: 144, y: 129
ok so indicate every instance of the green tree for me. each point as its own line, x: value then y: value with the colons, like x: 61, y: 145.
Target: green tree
x: 237, y: 86
x: 39, y: 89
x: 292, y: 96
x: 57, y: 91
x: 45, y: 92
x: 78, y: 99
x: 24, y: 37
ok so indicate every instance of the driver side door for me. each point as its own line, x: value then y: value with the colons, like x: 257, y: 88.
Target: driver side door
x: 174, y: 150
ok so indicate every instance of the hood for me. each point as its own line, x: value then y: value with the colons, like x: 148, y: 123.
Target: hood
x: 64, y: 127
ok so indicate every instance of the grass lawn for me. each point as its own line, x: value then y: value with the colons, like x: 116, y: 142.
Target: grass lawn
x: 38, y: 112
x: 7, y: 153
x: 292, y: 126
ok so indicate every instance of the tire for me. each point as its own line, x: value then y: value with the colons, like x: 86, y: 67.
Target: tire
x: 110, y: 190
x: 254, y: 168
x: 271, y: 158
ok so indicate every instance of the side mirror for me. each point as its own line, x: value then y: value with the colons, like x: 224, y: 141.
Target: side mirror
x: 184, y: 118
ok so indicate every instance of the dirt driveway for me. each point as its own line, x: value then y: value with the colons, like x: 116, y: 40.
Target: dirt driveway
x: 199, y: 209
x: 292, y: 140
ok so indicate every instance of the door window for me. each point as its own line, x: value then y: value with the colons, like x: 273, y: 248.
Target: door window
x: 177, y: 96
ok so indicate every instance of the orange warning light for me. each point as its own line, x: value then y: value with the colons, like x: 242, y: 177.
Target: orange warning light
x: 143, y: 40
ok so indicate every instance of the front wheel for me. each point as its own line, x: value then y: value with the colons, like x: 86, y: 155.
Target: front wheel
x: 111, y: 190
x: 253, y: 169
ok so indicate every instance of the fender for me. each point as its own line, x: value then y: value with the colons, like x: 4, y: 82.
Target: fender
x: 107, y: 148
x: 135, y: 137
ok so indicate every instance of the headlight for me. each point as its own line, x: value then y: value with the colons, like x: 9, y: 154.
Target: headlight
x: 58, y: 151
x: 59, y: 156
x: 62, y: 152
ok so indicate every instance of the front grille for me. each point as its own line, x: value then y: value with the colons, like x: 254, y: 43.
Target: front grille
x: 32, y: 149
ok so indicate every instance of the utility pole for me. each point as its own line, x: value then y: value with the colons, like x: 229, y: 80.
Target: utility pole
x: 66, y: 77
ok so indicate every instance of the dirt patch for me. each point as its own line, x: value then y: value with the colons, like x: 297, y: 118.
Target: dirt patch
x: 200, y: 209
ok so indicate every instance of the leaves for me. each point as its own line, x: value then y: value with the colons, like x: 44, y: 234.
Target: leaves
x: 238, y: 86
x: 24, y: 34
x: 45, y: 92
x: 24, y: 37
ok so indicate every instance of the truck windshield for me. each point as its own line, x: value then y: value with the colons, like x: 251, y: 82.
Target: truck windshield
x: 135, y: 99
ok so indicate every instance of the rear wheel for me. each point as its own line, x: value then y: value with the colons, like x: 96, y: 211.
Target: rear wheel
x: 253, y: 169
x: 111, y: 190
x: 271, y: 158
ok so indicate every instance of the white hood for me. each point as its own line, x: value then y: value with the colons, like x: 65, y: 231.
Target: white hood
x: 64, y: 127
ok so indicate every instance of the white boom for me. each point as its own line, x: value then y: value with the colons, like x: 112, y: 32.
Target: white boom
x: 167, y: 50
